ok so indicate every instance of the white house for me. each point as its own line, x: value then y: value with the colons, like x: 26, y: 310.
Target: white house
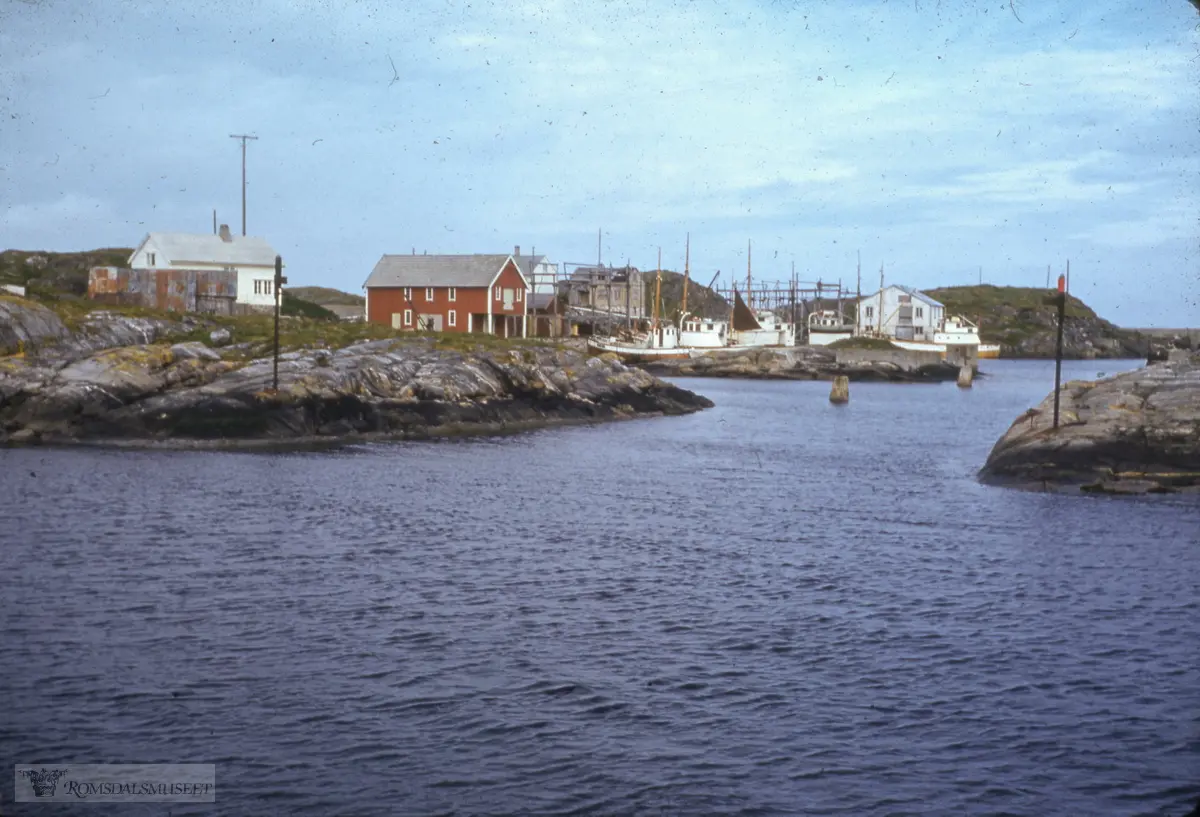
x: 900, y: 312
x: 252, y: 258
x: 538, y: 270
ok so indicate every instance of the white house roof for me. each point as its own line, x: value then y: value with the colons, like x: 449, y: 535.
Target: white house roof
x: 916, y: 293
x: 181, y: 248
x: 528, y: 262
x: 438, y: 271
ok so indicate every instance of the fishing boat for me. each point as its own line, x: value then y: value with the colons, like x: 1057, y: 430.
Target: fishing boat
x: 957, y: 339
x: 695, y: 335
x: 642, y: 347
x: 825, y: 326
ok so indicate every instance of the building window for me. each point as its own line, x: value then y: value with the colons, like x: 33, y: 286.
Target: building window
x: 428, y: 293
x: 520, y: 295
x: 920, y: 330
x: 497, y: 293
x: 870, y: 311
x: 408, y: 317
x: 452, y: 295
x: 151, y: 256
x: 408, y: 293
x: 452, y: 318
x: 262, y: 287
x: 920, y: 311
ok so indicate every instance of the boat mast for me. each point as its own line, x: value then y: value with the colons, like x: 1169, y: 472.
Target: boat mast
x: 793, y: 283
x: 657, y: 287
x: 858, y: 294
x: 749, y: 300
x: 881, y: 300
x: 687, y: 257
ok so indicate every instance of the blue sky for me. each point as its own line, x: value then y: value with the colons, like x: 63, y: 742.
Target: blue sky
x: 936, y: 138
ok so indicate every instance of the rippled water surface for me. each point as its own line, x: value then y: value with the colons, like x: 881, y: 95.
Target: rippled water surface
x: 776, y: 606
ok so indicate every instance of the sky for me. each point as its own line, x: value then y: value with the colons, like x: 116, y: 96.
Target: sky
x: 945, y: 142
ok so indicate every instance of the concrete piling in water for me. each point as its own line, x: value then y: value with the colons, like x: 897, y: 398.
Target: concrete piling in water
x: 840, y: 393
x: 966, y: 376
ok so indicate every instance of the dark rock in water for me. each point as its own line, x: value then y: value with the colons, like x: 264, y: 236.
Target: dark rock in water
x: 1138, y: 432
x: 187, y: 395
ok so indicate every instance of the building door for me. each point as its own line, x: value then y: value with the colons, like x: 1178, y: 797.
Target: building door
x: 429, y: 323
x: 509, y: 297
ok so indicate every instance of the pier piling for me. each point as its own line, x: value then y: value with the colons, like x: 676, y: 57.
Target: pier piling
x: 840, y: 393
x: 966, y: 376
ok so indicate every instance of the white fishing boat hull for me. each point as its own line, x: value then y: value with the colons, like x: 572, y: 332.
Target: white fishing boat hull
x: 634, y: 352
x: 826, y: 338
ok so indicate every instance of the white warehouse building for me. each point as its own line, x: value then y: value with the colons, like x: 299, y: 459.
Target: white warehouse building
x: 899, y: 312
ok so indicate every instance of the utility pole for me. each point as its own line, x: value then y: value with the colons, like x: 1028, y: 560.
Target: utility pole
x: 243, y: 137
x: 1058, y: 299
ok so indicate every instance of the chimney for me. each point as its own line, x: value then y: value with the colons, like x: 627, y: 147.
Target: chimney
x: 225, y: 236
x: 517, y: 251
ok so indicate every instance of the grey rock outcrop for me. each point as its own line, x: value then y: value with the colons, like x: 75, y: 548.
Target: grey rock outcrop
x: 40, y: 334
x: 1136, y: 432
x: 25, y: 323
x: 187, y: 395
x: 801, y: 363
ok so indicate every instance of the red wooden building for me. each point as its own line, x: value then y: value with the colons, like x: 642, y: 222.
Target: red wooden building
x: 449, y: 293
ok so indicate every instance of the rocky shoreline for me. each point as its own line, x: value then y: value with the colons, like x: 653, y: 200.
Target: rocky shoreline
x: 1135, y: 433
x: 800, y: 363
x: 117, y: 380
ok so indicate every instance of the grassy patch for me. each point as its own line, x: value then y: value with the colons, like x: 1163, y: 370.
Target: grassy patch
x: 863, y: 343
x: 325, y: 296
x: 61, y: 271
x: 300, y: 307
x: 462, y: 342
x: 986, y: 299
